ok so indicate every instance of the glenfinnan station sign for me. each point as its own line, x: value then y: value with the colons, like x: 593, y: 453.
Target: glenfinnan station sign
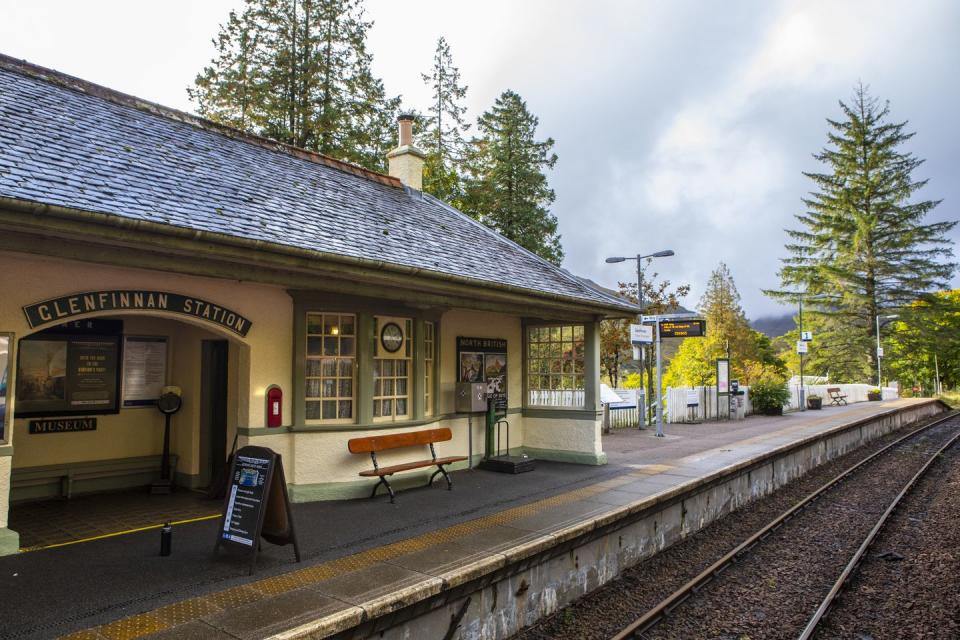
x: 61, y: 309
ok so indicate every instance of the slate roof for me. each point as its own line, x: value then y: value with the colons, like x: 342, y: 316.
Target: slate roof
x: 73, y: 144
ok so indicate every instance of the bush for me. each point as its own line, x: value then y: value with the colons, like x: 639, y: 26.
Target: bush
x: 768, y: 395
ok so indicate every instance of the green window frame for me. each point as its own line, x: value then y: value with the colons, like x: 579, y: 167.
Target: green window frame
x: 556, y: 361
x: 330, y: 372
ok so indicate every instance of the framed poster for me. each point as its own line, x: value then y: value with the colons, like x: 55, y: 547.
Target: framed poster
x: 6, y: 357
x: 485, y: 360
x: 63, y: 374
x: 144, y: 370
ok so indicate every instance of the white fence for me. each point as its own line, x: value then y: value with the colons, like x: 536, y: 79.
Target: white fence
x: 679, y: 399
x: 854, y: 393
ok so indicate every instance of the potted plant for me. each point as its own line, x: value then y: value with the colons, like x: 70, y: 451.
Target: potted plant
x: 769, y: 396
x: 814, y: 401
x: 874, y: 394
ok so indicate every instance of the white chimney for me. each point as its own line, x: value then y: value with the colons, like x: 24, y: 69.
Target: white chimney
x: 406, y: 161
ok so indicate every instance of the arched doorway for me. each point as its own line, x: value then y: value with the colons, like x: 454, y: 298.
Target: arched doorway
x: 87, y: 430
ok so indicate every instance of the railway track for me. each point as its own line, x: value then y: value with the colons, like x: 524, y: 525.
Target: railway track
x: 938, y: 436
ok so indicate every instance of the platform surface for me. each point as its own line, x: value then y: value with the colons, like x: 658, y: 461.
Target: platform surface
x: 362, y: 557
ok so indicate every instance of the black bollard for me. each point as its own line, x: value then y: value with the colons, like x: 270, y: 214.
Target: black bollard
x: 166, y: 539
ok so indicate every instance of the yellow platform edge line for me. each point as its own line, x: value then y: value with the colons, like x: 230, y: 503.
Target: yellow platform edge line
x: 117, y: 533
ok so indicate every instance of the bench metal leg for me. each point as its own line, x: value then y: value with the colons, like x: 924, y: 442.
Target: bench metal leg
x: 440, y: 470
x: 383, y: 481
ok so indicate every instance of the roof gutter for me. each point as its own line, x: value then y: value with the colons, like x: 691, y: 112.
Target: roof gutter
x: 260, y: 246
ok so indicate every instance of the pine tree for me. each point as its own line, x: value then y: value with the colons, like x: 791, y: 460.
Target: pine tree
x: 445, y: 127
x: 298, y: 71
x: 863, y: 249
x: 507, y: 189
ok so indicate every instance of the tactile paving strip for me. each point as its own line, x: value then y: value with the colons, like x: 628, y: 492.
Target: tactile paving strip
x: 196, y: 608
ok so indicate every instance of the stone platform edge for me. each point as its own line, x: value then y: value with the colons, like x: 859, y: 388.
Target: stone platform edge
x: 387, y: 613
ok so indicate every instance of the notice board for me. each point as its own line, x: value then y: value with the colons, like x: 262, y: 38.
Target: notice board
x: 256, y: 504
x: 63, y: 375
x: 144, y: 370
x: 485, y: 360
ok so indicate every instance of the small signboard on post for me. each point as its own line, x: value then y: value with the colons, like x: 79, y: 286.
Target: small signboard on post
x: 801, y: 346
x: 256, y: 504
x: 641, y: 334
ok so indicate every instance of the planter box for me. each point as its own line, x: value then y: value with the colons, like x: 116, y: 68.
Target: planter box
x: 772, y: 411
x: 874, y: 397
x: 814, y: 403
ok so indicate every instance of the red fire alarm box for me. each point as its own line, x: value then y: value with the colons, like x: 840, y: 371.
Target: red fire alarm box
x: 274, y: 406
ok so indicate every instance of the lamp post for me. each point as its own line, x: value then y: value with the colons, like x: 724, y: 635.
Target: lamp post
x: 878, y: 316
x: 666, y: 253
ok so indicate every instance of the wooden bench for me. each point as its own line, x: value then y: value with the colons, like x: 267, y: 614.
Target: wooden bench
x: 836, y: 397
x: 373, y: 444
x: 67, y: 479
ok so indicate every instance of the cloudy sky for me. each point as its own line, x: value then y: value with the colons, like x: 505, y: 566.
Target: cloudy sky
x: 682, y: 125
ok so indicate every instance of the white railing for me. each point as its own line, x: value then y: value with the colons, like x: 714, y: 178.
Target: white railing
x: 706, y: 409
x: 562, y: 398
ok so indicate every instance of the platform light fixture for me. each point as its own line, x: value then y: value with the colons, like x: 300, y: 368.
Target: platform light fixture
x: 666, y: 253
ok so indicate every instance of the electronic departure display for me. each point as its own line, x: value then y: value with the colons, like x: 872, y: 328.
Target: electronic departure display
x: 682, y: 329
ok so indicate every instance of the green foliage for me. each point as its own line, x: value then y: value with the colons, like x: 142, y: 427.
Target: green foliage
x: 506, y: 188
x: 298, y: 71
x: 863, y: 247
x: 632, y: 381
x: 923, y: 340
x: 445, y: 127
x: 751, y: 353
x: 615, y: 348
x: 768, y: 393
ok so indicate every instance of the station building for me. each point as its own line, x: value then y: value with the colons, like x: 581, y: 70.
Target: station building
x: 295, y: 300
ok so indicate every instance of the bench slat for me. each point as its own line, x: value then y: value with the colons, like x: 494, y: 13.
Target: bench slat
x: 369, y: 444
x: 406, y: 466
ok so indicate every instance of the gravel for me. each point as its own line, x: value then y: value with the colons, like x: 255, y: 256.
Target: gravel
x: 909, y: 584
x: 761, y: 604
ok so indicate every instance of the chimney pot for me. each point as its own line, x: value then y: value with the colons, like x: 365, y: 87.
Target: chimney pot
x: 406, y: 161
x: 405, y: 121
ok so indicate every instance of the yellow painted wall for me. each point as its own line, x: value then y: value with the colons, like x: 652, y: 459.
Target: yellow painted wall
x: 322, y: 457
x: 261, y: 359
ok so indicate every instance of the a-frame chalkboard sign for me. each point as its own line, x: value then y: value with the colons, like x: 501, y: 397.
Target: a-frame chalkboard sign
x: 256, y: 504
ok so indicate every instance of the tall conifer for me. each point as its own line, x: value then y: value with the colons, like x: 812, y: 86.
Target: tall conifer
x: 507, y: 189
x: 445, y: 127
x: 864, y: 248
x: 298, y: 71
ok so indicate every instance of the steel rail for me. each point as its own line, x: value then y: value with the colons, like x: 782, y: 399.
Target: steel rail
x: 668, y: 604
x: 858, y: 556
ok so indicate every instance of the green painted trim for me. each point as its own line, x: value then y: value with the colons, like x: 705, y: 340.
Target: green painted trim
x: 563, y: 414
x: 363, y: 365
x: 254, y: 432
x: 418, y: 352
x: 6, y: 450
x: 98, y: 237
x: 9, y: 542
x: 559, y: 455
x: 591, y: 366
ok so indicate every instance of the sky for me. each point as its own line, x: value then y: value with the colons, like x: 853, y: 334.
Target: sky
x: 678, y: 125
